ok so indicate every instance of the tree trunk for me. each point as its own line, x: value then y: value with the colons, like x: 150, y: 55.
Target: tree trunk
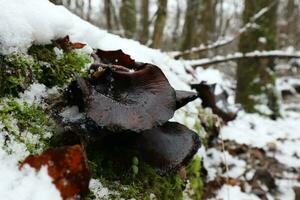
x: 291, y: 30
x: 159, y: 23
x: 177, y: 23
x: 107, y: 11
x: 144, y: 21
x: 189, y: 28
x: 128, y: 17
x: 207, y: 21
x: 255, y: 77
x: 89, y: 11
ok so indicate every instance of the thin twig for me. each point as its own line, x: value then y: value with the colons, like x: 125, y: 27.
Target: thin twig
x: 238, y: 56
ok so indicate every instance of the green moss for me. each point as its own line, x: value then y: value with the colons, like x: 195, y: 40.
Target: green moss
x: 25, y: 124
x: 18, y: 71
x: 15, y: 74
x: 51, y: 69
x: 195, y: 180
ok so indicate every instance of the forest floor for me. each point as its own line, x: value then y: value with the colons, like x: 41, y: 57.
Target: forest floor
x: 256, y: 157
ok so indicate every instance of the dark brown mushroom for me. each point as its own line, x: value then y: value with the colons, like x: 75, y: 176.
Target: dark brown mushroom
x: 209, y: 99
x: 184, y: 97
x: 120, y: 99
x: 168, y: 147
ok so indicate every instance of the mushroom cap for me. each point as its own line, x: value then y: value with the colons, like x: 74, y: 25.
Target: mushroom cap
x: 122, y: 99
x: 116, y: 57
x: 168, y: 147
x: 184, y: 97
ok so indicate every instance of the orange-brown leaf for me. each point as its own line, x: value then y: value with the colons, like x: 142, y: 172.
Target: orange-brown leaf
x: 65, y: 43
x: 68, y: 168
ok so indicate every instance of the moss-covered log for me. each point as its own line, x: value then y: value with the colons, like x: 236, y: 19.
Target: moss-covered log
x: 22, y: 122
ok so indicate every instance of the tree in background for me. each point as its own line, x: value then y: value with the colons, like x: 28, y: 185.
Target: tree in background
x: 144, y: 21
x: 160, y: 22
x: 290, y: 29
x: 255, y: 77
x: 199, y: 25
x: 108, y: 14
x: 190, y: 29
x: 206, y: 21
x: 128, y: 17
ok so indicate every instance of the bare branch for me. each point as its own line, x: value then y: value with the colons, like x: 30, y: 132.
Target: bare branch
x: 237, y: 56
x: 223, y: 42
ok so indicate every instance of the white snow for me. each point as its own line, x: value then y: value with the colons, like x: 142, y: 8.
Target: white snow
x: 215, y: 158
x: 71, y: 114
x: 228, y: 192
x: 98, y: 190
x: 34, y: 94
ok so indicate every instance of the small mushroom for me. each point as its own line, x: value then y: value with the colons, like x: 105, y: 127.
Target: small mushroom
x: 209, y: 99
x: 168, y: 147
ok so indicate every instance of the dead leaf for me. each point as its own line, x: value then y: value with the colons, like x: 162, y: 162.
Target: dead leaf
x: 65, y: 43
x: 68, y: 168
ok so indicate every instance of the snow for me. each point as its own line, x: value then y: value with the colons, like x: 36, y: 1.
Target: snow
x: 248, y: 127
x: 34, y: 94
x: 216, y: 158
x: 72, y: 114
x: 98, y: 190
x: 228, y: 192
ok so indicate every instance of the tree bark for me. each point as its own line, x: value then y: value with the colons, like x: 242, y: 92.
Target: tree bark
x: 144, y: 35
x: 89, y: 11
x: 159, y: 23
x: 189, y: 28
x: 107, y: 11
x: 177, y: 23
x: 128, y: 17
x: 256, y: 78
x: 207, y: 21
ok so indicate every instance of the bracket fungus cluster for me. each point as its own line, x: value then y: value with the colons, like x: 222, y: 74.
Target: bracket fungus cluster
x: 134, y: 101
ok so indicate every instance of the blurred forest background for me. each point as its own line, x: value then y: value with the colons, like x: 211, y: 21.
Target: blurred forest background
x: 215, y: 29
x: 182, y: 24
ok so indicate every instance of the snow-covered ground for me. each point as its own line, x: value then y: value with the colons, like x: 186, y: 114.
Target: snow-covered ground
x: 27, y: 22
